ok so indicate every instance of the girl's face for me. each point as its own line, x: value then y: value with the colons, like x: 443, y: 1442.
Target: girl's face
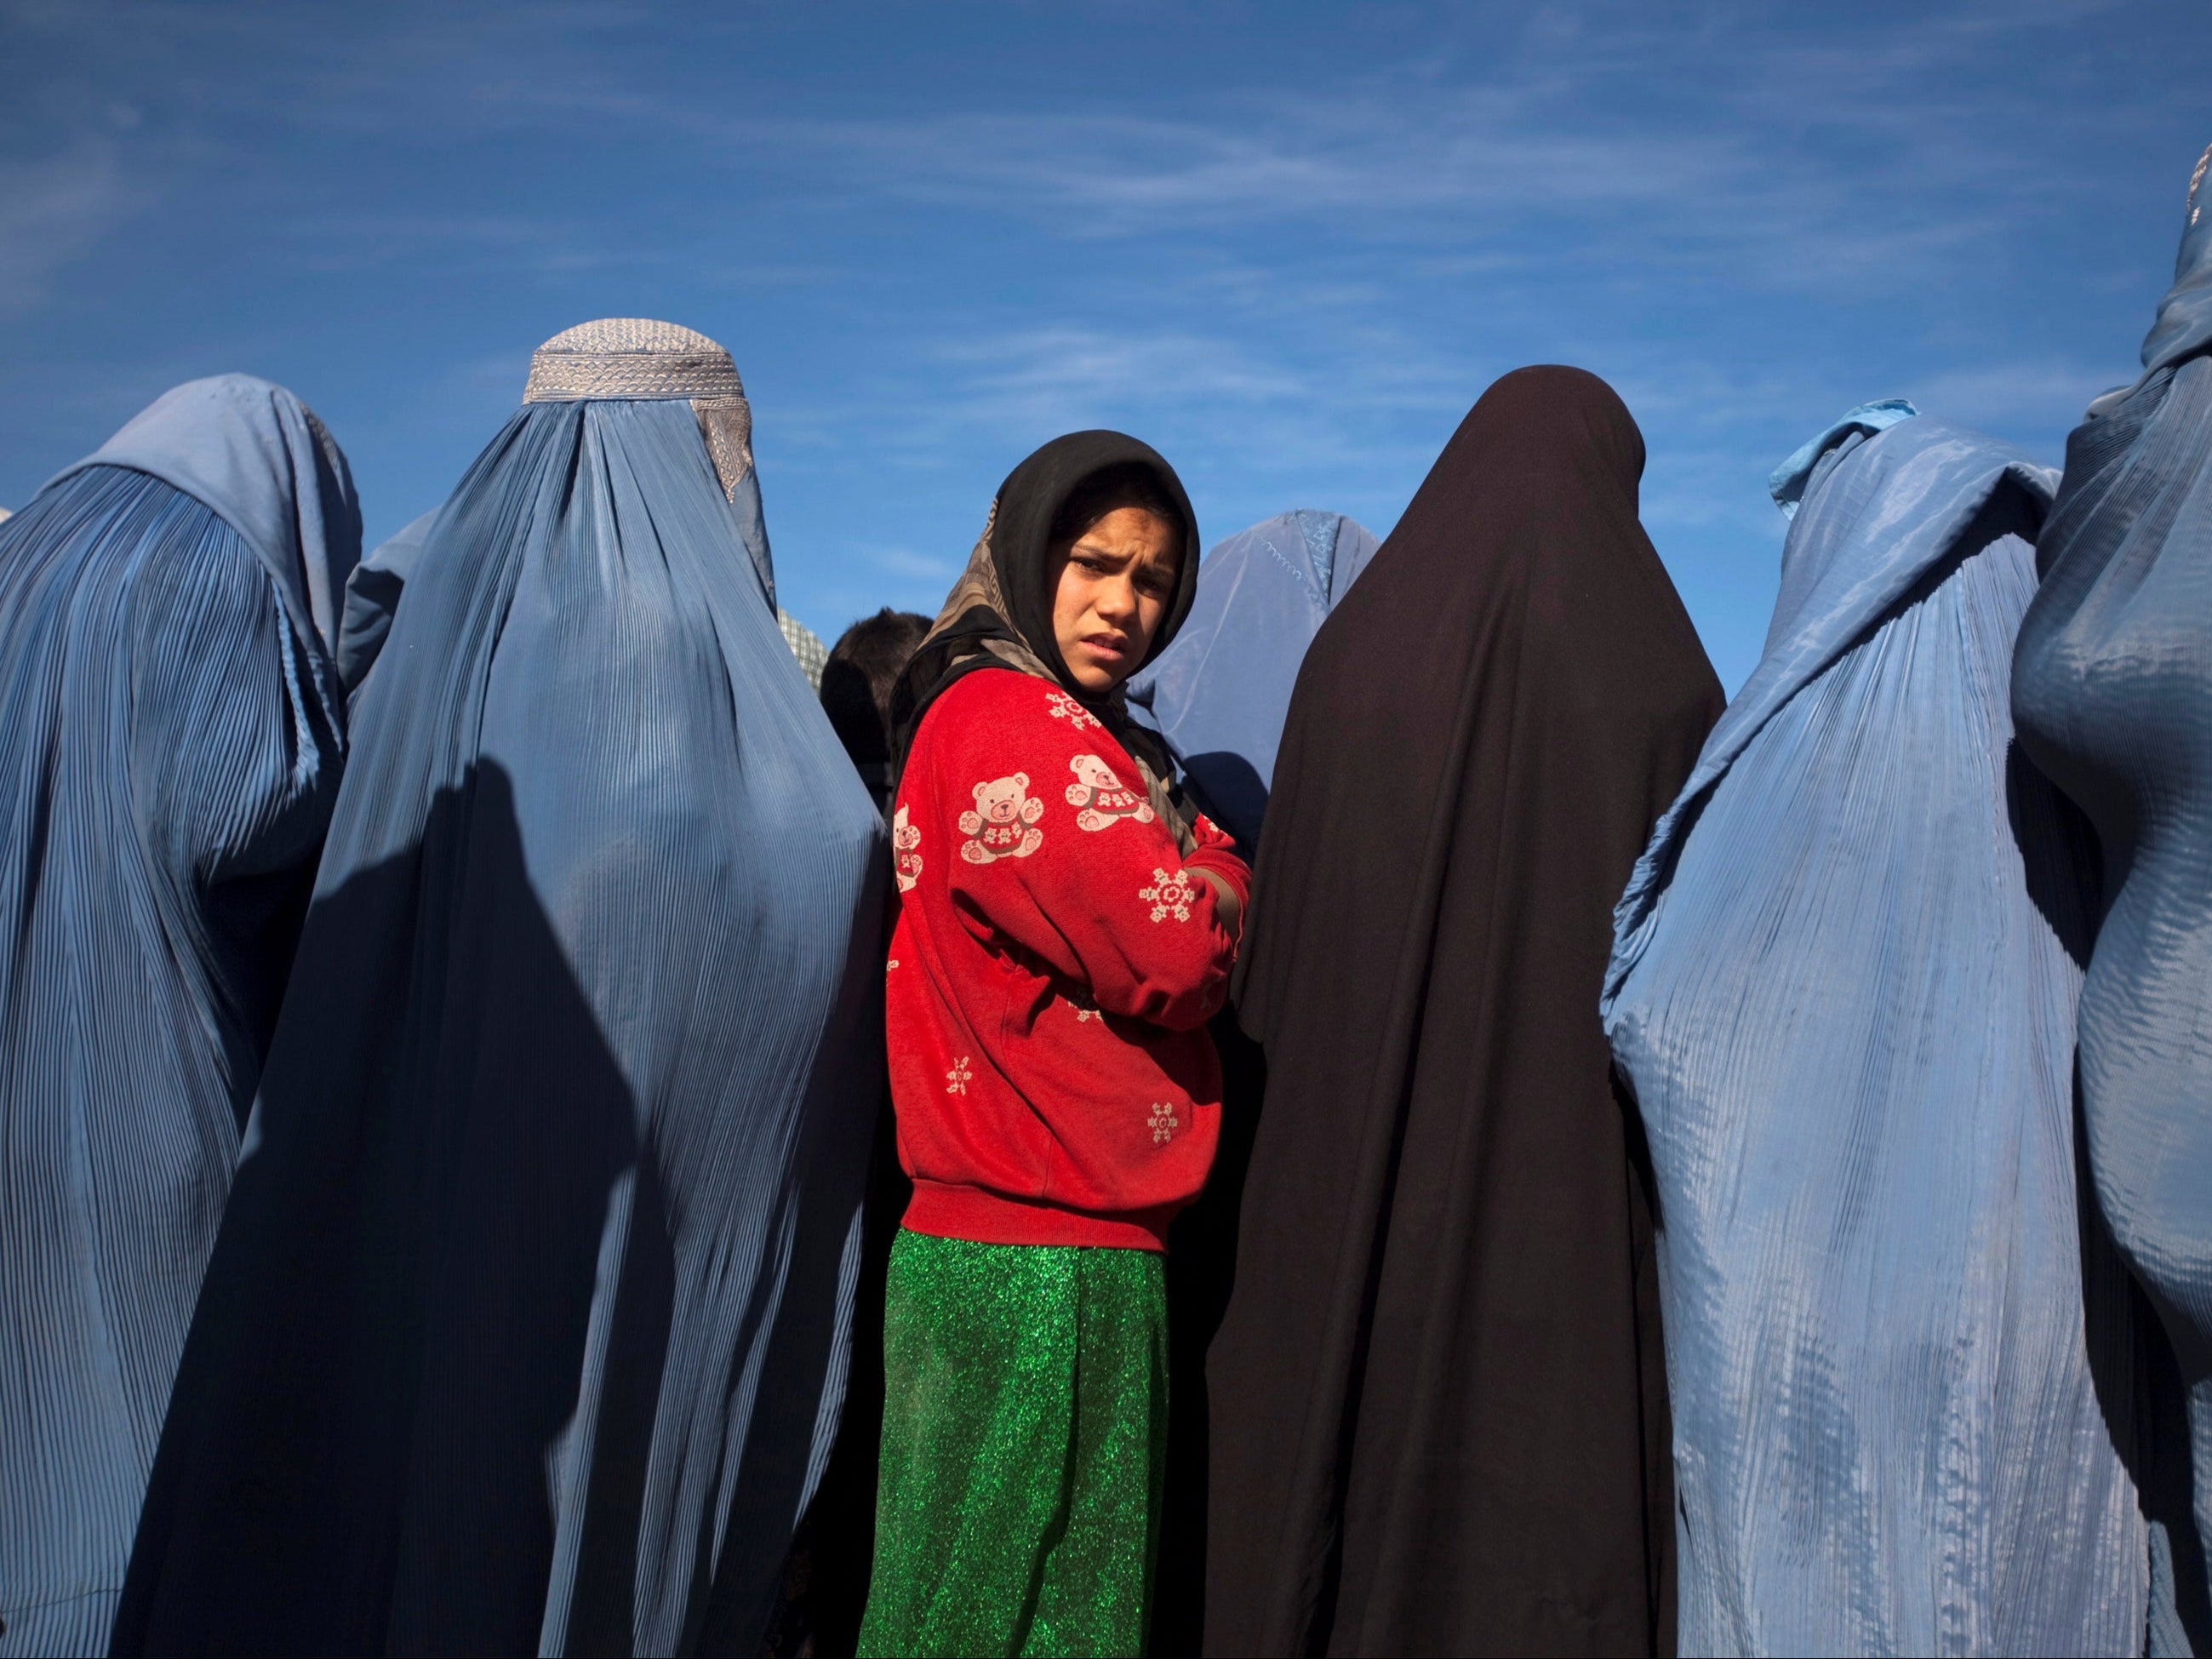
x: 1111, y: 590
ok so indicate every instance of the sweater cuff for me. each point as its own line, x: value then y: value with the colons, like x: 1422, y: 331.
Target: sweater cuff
x: 1223, y: 862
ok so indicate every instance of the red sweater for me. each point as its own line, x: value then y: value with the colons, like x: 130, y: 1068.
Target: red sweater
x: 1055, y: 964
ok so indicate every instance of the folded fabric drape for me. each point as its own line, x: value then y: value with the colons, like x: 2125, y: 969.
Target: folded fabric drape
x: 2113, y: 692
x: 1439, y: 1402
x: 1900, y: 1356
x: 258, y: 458
x: 371, y: 599
x: 1219, y: 692
x: 527, y: 1328
x: 170, y: 744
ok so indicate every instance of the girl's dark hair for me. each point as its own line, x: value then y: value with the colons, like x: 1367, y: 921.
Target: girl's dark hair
x: 1130, y: 484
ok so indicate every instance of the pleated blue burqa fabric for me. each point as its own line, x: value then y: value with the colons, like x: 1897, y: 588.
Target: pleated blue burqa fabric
x: 1843, y: 992
x: 525, y: 1330
x: 1219, y: 695
x: 2112, y: 689
x: 170, y: 744
x: 371, y: 599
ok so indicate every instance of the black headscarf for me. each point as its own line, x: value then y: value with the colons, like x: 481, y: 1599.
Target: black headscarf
x: 998, y: 614
x: 1439, y: 1418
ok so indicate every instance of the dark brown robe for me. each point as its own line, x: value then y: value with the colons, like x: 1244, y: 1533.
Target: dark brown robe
x: 1438, y: 1406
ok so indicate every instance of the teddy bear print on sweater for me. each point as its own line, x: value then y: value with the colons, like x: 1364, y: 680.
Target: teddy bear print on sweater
x: 1101, y: 796
x: 1004, y: 822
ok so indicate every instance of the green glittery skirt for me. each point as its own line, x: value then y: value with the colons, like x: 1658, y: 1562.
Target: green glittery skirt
x: 1025, y: 1415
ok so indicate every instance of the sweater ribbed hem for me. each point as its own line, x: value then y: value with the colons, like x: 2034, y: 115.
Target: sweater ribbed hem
x: 982, y: 1217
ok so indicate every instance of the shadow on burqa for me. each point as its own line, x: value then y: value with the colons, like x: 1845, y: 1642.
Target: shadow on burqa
x: 382, y: 1478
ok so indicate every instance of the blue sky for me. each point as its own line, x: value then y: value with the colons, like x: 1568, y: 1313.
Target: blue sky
x: 1289, y: 245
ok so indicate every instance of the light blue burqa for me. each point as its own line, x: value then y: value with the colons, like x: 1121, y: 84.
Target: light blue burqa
x: 2112, y: 688
x: 371, y: 599
x: 527, y: 1328
x: 1843, y: 992
x: 1220, y: 693
x: 170, y: 744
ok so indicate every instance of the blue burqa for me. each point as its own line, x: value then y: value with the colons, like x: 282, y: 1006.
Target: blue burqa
x: 170, y: 744
x: 1220, y: 693
x: 527, y: 1326
x: 1843, y: 992
x: 2112, y: 689
x: 371, y: 599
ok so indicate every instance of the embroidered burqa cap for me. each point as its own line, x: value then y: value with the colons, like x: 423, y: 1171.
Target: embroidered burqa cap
x: 630, y: 357
x: 638, y: 359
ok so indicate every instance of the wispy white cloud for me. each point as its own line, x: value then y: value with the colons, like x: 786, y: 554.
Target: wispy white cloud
x: 1998, y: 395
x: 1029, y: 376
x: 903, y: 561
x: 54, y: 209
x: 1447, y: 161
x: 1747, y: 217
x: 1789, y: 171
x: 1796, y: 160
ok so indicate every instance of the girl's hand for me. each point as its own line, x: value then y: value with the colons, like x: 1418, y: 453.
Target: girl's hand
x: 1226, y: 904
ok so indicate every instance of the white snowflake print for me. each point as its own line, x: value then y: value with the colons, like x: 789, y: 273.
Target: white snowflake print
x: 892, y: 964
x: 906, y: 861
x: 1084, y: 1008
x: 1064, y: 708
x: 955, y: 1081
x: 1101, y: 797
x: 1165, y: 1124
x: 1170, y: 895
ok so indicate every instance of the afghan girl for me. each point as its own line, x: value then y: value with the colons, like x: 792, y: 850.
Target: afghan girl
x: 1068, y: 927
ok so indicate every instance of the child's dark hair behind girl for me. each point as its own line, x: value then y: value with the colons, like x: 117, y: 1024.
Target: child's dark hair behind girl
x: 856, y: 689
